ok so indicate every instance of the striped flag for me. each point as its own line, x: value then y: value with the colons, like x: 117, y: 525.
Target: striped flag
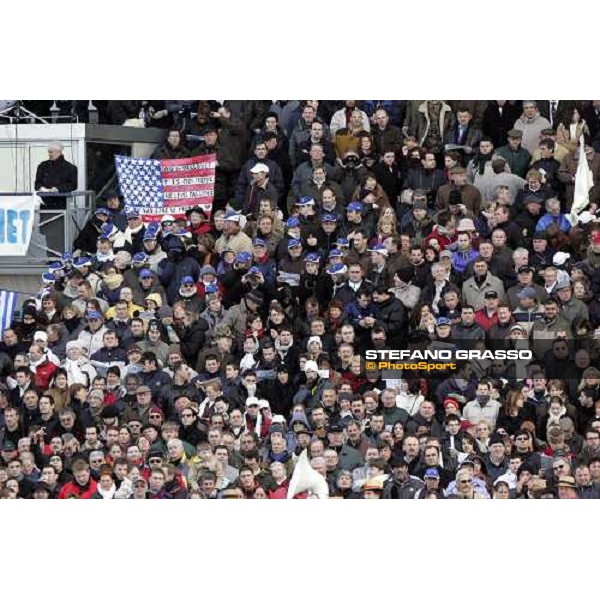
x: 157, y: 187
x: 8, y: 305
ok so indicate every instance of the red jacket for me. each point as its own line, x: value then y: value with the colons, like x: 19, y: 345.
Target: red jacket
x: 442, y: 240
x: 43, y: 374
x: 486, y: 322
x: 73, y: 491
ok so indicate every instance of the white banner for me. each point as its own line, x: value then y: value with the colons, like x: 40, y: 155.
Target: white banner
x: 17, y: 217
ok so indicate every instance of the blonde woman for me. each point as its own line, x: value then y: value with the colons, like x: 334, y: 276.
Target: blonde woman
x: 571, y: 128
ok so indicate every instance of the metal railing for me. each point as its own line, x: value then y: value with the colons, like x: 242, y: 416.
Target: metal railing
x: 55, y: 229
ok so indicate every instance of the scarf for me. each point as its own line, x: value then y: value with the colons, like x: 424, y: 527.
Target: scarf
x: 129, y: 233
x: 107, y: 494
x: 482, y: 160
x: 74, y: 372
x: 281, y: 457
x: 109, y: 256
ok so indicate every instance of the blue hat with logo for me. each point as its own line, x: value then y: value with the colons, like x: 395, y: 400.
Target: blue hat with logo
x: 258, y: 242
x: 83, y: 261
x: 145, y: 273
x: 342, y: 243
x: 443, y: 321
x: 335, y: 253
x: 312, y: 257
x: 187, y: 280
x: 293, y: 222
x: 328, y: 217
x: 242, y: 257
x: 337, y: 269
x: 140, y: 258
x: 102, y: 210
x: 305, y: 201
x: 357, y: 206
x: 48, y: 278
x: 432, y: 473
x: 294, y: 243
x: 232, y: 215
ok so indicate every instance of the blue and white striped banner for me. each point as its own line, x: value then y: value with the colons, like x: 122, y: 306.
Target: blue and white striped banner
x: 8, y: 305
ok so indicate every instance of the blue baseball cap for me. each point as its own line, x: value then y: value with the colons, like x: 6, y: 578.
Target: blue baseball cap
x: 343, y: 243
x: 94, y: 314
x: 187, y: 280
x: 145, y: 273
x: 48, y: 278
x: 432, y: 473
x: 108, y: 229
x: 293, y: 222
x: 380, y: 249
x: 258, y: 242
x: 67, y: 257
x: 132, y: 213
x: 357, y: 206
x: 305, y: 201
x: 328, y: 218
x: 335, y: 253
x: 336, y: 269
x: 83, y: 261
x: 102, y: 210
x: 55, y: 266
x: 253, y: 271
x: 232, y: 215
x: 140, y: 257
x: 242, y: 257
x: 312, y: 257
x: 149, y: 236
x: 443, y: 321
x: 294, y: 243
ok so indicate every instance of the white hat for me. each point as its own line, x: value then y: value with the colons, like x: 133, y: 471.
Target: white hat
x: 278, y: 419
x: 167, y: 218
x: 259, y: 168
x: 466, y: 225
x: 263, y: 404
x: 311, y: 365
x: 252, y: 401
x: 40, y: 335
x: 560, y: 258
x: 315, y: 338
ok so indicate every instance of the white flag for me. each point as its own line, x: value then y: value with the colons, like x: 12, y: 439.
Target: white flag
x: 583, y: 181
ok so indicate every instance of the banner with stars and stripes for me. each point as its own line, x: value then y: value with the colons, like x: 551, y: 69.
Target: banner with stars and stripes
x: 158, y: 187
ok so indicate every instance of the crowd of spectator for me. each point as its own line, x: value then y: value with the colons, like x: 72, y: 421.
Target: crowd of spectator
x: 199, y: 356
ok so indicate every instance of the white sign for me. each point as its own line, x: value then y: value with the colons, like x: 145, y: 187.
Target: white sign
x: 17, y: 217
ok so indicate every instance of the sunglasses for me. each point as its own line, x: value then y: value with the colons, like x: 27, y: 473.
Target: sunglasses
x: 466, y: 481
x: 155, y: 461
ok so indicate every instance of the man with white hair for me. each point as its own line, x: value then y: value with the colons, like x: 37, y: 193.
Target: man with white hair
x: 55, y: 175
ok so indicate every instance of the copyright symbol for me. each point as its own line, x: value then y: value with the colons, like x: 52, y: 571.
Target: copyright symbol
x: 371, y: 365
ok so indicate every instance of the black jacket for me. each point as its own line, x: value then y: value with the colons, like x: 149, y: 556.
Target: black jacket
x: 392, y: 315
x: 59, y: 173
x: 497, y: 126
